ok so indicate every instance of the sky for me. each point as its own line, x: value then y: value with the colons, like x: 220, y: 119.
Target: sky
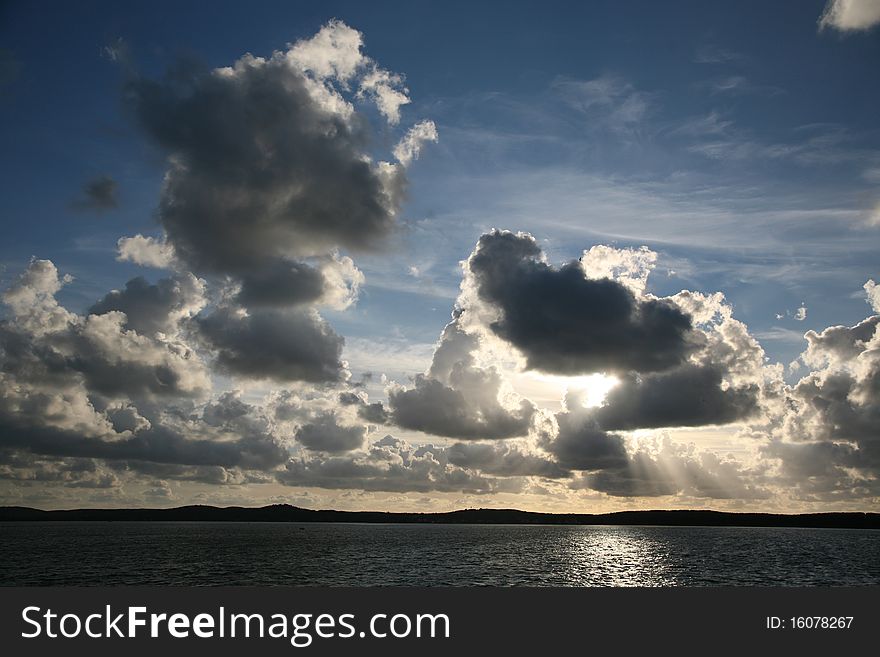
x: 424, y: 256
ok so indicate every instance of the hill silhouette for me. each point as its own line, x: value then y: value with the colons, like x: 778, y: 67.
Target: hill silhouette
x: 287, y: 513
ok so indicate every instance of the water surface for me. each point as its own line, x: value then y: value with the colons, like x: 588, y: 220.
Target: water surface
x: 319, y: 554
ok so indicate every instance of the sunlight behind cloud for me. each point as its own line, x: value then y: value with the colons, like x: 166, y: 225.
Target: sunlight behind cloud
x: 549, y: 390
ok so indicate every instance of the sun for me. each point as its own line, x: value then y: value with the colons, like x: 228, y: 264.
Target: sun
x: 550, y: 389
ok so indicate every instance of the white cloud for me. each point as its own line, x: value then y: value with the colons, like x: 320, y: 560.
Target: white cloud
x: 631, y: 267
x: 873, y: 292
x: 334, y: 52
x: 850, y: 15
x: 410, y: 146
x: 145, y: 251
x: 388, y: 92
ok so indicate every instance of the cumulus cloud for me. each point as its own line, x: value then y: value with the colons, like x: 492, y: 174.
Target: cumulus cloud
x: 566, y: 323
x: 269, y: 176
x: 333, y: 281
x: 824, y: 437
x: 29, y: 468
x: 691, y: 395
x: 155, y: 308
x: 581, y: 444
x: 664, y: 468
x: 43, y: 342
x: 504, y: 459
x: 390, y: 464
x: 457, y: 398
x: 850, y: 15
x: 873, y: 292
x: 90, y: 387
x: 268, y: 158
x: 145, y: 251
x: 326, y: 434
x: 283, y: 345
x: 375, y: 413
x: 281, y: 283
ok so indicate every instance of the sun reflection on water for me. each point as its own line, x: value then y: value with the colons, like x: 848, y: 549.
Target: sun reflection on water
x: 618, y: 556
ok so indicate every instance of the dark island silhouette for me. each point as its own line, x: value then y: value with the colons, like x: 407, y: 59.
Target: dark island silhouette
x: 287, y: 513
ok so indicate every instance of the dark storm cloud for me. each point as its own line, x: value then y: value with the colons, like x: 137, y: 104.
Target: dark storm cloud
x: 150, y: 308
x: 688, y: 396
x: 99, y: 195
x: 325, y: 434
x: 281, y: 283
x: 262, y: 166
x: 293, y: 345
x: 568, y: 324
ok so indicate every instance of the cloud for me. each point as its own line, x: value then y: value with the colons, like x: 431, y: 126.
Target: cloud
x: 503, y: 459
x: 283, y: 345
x: 21, y: 466
x: 825, y: 435
x: 331, y: 280
x: 325, y: 434
x: 409, y: 148
x: 580, y: 444
x: 609, y: 100
x: 714, y: 54
x: 739, y: 84
x: 690, y: 395
x: 270, y: 174
x: 390, y: 464
x: 146, y: 251
x: 566, y: 323
x: 281, y: 283
x: 99, y: 195
x: 664, y: 468
x: 90, y: 387
x: 873, y: 292
x: 850, y: 15
x: 44, y: 343
x: 457, y: 398
x: 150, y: 309
x: 375, y: 413
x: 268, y: 158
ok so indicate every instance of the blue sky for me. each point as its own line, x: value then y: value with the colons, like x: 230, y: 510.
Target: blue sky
x: 737, y: 141
x: 790, y: 112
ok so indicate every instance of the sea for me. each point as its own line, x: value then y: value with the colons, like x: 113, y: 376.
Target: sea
x: 350, y: 554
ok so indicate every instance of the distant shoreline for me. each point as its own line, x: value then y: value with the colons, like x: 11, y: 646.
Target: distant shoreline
x: 287, y: 513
